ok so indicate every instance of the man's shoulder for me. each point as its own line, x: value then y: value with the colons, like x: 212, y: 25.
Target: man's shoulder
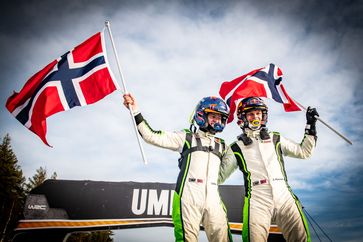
x: 186, y: 131
x: 274, y: 133
x: 236, y: 143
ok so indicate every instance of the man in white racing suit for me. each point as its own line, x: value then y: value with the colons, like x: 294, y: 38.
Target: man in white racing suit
x: 196, y: 198
x: 259, y: 155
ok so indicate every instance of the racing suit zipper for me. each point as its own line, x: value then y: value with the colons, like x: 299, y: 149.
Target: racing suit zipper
x: 206, y: 178
x: 260, y: 144
x: 263, y: 160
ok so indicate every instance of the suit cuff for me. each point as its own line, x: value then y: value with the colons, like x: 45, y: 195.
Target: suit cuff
x: 138, y: 118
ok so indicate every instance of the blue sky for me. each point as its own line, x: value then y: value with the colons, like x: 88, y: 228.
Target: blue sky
x: 173, y: 53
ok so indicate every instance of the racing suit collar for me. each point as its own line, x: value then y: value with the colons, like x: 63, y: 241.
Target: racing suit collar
x: 204, y: 134
x: 252, y: 133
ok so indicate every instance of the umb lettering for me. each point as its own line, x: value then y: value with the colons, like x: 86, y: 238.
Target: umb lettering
x: 139, y: 205
x: 155, y: 204
x: 151, y: 202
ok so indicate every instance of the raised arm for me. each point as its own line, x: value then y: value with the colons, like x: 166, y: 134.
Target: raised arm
x: 305, y: 148
x: 164, y: 139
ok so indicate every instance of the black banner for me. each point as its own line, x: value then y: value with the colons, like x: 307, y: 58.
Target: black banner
x: 114, y: 200
x: 63, y: 206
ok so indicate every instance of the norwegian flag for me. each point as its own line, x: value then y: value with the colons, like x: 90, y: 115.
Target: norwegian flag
x: 79, y: 77
x: 262, y: 82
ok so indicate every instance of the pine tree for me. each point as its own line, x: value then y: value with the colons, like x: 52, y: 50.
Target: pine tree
x: 39, y: 177
x: 54, y: 176
x: 12, y: 194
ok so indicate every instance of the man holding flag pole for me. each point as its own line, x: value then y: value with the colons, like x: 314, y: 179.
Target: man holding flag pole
x: 196, y: 197
x: 258, y: 154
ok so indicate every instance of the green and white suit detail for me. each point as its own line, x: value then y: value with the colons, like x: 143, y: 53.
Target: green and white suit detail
x: 196, y: 198
x: 267, y: 192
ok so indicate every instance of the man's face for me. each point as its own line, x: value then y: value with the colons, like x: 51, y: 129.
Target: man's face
x: 254, y: 115
x: 214, y: 118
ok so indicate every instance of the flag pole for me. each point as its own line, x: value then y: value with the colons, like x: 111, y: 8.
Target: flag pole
x: 327, y: 125
x: 108, y: 25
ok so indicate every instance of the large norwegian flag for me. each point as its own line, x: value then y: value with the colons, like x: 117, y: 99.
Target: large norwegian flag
x: 262, y: 82
x: 79, y: 77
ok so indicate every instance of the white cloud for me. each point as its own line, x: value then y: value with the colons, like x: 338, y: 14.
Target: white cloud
x: 170, y: 61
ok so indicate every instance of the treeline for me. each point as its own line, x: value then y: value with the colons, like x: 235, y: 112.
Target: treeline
x: 13, y: 191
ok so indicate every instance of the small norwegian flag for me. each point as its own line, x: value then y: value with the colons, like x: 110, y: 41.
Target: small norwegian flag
x: 262, y: 82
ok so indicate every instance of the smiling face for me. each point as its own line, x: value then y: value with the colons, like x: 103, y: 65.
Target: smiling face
x: 214, y: 118
x: 254, y: 115
x: 254, y: 118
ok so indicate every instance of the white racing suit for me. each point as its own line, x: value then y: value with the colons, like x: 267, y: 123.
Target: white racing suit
x: 196, y: 198
x: 267, y: 192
